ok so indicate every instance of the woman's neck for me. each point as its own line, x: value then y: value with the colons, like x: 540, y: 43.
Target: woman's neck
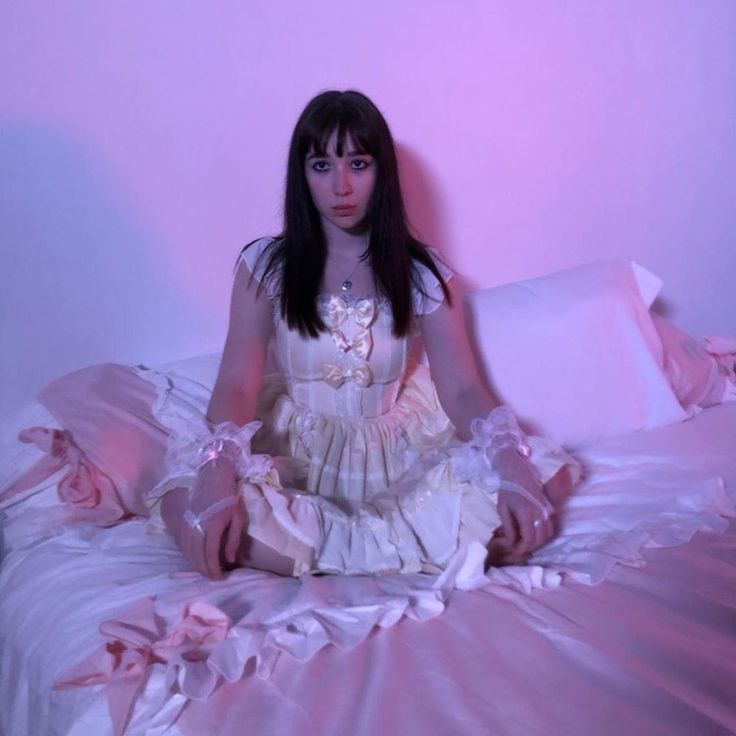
x: 343, y: 242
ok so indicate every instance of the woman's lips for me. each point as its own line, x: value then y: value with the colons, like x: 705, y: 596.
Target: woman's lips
x: 344, y: 209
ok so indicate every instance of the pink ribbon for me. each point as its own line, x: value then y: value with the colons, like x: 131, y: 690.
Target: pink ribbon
x: 136, y: 643
x: 723, y: 350
x: 87, y: 490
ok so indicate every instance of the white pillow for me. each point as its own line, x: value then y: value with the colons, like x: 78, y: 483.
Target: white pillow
x: 575, y: 353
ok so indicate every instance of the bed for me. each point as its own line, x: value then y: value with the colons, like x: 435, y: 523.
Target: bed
x: 625, y: 623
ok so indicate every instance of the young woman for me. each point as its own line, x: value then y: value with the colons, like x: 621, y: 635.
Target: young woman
x: 370, y: 465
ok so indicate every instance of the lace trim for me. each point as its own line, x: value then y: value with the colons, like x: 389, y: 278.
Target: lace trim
x: 195, y: 444
x: 474, y: 460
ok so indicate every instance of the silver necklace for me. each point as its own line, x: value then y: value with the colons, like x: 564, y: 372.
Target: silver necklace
x: 347, y: 284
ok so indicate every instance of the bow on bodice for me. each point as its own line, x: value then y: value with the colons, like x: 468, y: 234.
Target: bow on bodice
x: 362, y: 313
x: 335, y: 375
x: 337, y: 311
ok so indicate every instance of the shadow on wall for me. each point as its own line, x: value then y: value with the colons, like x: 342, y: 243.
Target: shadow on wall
x: 424, y: 200
x: 81, y: 280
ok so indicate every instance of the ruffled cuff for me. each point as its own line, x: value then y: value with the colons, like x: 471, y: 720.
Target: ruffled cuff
x: 417, y: 533
x: 498, y: 431
x: 189, y: 449
x: 196, y: 442
x: 485, y: 460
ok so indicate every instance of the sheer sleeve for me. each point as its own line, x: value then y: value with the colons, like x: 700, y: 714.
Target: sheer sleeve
x: 430, y: 296
x: 256, y: 256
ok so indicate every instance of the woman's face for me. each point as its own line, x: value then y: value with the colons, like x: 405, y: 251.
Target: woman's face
x: 341, y: 186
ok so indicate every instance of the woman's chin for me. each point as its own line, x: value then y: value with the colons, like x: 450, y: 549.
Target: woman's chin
x: 351, y: 225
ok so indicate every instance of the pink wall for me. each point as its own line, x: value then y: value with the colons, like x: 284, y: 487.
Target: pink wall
x: 141, y: 144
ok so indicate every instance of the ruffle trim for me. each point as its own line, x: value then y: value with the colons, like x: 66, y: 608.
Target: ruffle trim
x: 430, y: 517
x: 164, y: 650
x: 391, y: 442
x: 598, y: 532
x: 419, y: 533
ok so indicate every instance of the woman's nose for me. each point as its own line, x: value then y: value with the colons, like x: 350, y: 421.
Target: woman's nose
x: 341, y: 181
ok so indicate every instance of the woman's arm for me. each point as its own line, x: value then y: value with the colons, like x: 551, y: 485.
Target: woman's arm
x: 243, y: 362
x: 452, y: 364
x: 464, y: 398
x: 233, y: 399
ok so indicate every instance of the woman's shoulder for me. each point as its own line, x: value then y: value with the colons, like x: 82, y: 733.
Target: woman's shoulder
x: 257, y: 251
x: 257, y: 257
x: 428, y: 293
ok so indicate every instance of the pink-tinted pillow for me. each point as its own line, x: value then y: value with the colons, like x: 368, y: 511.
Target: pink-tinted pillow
x: 107, y: 410
x: 700, y: 371
x: 575, y: 353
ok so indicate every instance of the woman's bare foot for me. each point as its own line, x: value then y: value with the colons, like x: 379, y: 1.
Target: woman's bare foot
x: 259, y: 556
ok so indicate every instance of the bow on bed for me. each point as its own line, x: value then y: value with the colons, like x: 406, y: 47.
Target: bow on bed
x: 85, y: 488
x: 141, y: 662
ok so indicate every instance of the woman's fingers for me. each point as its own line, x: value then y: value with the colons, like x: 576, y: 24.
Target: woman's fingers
x: 529, y: 529
x: 525, y: 522
x: 172, y: 509
x: 510, y: 530
x: 235, y: 533
x: 197, y: 551
x: 213, y: 543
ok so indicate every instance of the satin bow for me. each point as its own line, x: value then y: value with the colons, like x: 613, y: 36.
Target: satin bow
x: 337, y: 311
x: 90, y: 494
x: 363, y: 314
x: 142, y: 659
x: 335, y: 375
x: 361, y: 344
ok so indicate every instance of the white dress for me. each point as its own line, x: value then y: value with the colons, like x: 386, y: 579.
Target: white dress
x: 372, y: 477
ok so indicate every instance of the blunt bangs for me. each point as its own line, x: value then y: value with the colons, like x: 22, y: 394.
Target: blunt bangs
x: 344, y: 118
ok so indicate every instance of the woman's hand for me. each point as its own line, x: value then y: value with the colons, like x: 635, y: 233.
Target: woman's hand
x: 521, y: 532
x: 216, y: 481
x: 526, y: 523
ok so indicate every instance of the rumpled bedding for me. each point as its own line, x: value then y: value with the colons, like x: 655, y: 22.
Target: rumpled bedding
x: 623, y: 623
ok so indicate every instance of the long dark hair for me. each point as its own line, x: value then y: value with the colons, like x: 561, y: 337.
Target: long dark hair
x: 297, y: 259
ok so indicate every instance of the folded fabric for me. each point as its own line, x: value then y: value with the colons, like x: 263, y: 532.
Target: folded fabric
x: 701, y: 371
x: 575, y: 354
x: 107, y: 409
x: 107, y: 414
x: 88, y: 494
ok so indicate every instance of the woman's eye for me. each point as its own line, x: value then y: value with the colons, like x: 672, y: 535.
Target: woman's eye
x: 360, y: 163
x: 320, y: 165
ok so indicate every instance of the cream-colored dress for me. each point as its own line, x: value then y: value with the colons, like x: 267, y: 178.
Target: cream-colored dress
x: 361, y: 471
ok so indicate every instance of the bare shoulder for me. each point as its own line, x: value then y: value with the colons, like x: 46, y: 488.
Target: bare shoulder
x: 249, y: 331
x: 446, y: 340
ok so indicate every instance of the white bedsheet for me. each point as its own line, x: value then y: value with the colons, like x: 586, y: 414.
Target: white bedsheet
x: 606, y: 634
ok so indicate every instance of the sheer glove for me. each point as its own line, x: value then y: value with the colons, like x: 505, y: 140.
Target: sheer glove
x: 209, y: 519
x: 525, y: 511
